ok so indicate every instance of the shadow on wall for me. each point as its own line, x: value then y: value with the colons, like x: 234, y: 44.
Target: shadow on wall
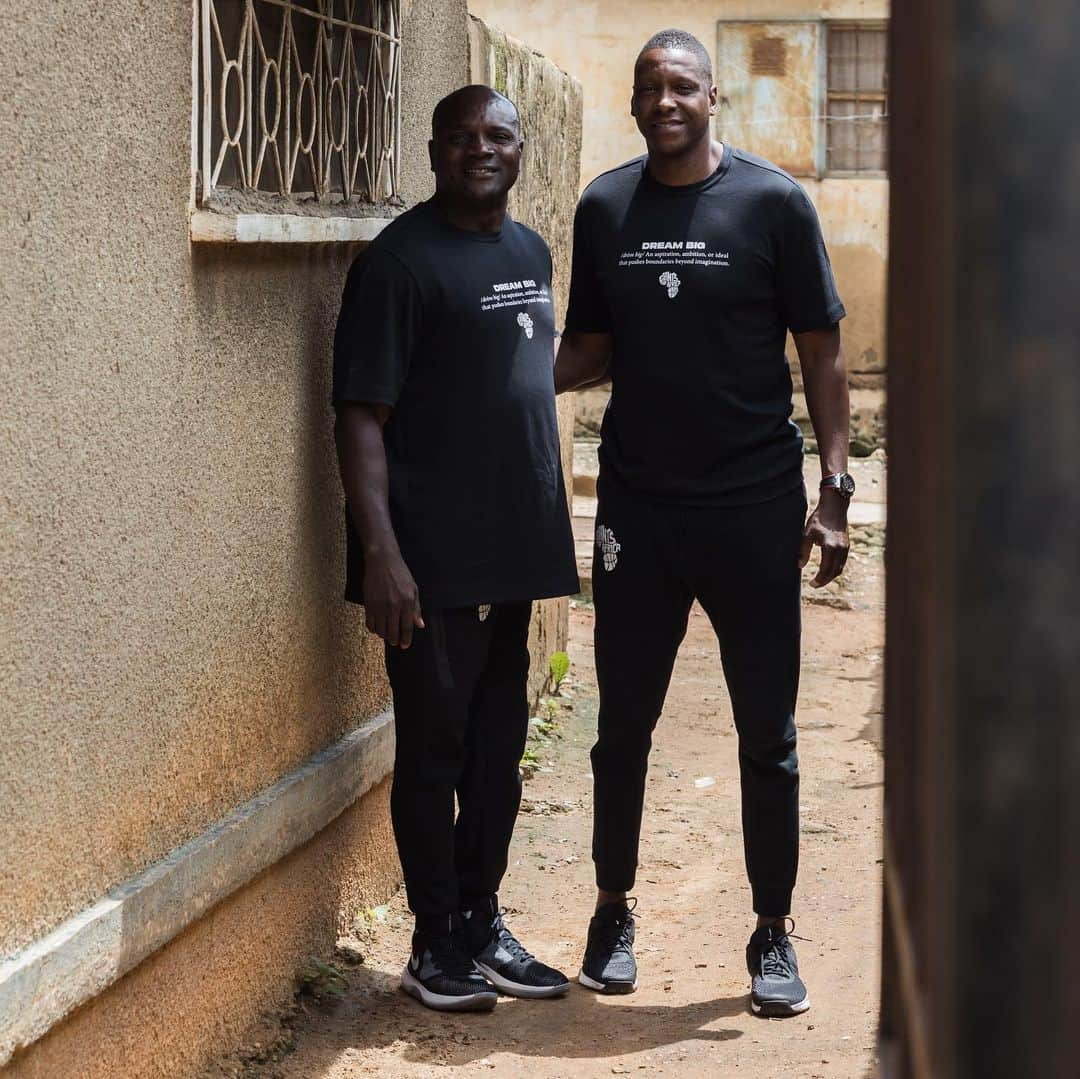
x: 340, y: 656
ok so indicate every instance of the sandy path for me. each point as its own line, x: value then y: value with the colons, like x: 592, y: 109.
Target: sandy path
x: 690, y: 1016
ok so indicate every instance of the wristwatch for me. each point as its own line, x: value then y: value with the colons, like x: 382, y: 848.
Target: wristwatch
x: 843, y: 482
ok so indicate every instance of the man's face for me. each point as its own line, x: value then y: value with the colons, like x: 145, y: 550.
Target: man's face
x: 673, y: 101
x: 476, y: 152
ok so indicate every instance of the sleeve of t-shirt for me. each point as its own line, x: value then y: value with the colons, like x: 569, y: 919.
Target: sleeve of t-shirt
x: 587, y: 310
x: 808, y: 296
x: 377, y: 330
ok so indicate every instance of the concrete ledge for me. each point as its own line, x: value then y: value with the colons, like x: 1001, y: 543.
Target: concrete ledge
x: 211, y: 227
x: 93, y: 949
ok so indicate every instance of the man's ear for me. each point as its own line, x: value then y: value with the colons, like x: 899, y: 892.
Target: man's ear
x: 431, y: 153
x: 633, y: 111
x: 712, y: 100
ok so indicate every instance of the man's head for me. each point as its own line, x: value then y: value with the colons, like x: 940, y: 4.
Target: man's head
x: 674, y: 97
x: 476, y: 145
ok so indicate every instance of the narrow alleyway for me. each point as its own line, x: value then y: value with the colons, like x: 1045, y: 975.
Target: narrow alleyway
x: 690, y: 1016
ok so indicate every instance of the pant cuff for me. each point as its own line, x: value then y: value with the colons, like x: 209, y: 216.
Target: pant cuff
x: 771, y: 903
x: 487, y: 902
x: 614, y: 880
x: 437, y: 925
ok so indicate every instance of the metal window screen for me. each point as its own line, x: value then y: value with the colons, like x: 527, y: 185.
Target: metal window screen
x: 856, y: 98
x: 299, y: 99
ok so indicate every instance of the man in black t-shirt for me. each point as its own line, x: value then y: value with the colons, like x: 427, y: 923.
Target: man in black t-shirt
x: 457, y: 520
x: 690, y: 266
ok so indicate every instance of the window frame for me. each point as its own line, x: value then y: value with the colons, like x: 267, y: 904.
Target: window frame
x: 827, y: 96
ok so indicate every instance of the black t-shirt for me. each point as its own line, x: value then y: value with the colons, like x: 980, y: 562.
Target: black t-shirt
x: 698, y: 285
x: 455, y: 331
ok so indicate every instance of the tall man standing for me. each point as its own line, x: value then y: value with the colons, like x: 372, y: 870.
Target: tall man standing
x: 457, y: 521
x: 690, y: 266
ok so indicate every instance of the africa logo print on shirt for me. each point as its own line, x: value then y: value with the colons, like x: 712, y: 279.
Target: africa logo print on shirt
x: 483, y: 611
x: 526, y: 324
x: 609, y: 547
x: 671, y: 282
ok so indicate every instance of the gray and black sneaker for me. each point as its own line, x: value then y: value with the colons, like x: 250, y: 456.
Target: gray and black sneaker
x: 441, y: 974
x: 776, y: 990
x: 609, y: 965
x: 503, y: 960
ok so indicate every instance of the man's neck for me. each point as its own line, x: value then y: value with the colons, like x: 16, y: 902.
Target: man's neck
x: 690, y: 168
x: 487, y: 217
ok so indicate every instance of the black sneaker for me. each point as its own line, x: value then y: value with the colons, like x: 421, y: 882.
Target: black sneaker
x: 776, y: 989
x: 441, y: 974
x: 502, y: 959
x: 609, y: 965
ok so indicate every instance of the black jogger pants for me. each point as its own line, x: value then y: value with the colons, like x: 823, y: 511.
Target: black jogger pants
x: 650, y: 563
x: 461, y: 717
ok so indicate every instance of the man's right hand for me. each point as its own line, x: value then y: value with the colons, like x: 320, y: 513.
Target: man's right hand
x: 391, y: 600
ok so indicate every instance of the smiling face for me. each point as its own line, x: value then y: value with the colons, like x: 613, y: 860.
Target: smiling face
x: 476, y: 147
x: 673, y: 101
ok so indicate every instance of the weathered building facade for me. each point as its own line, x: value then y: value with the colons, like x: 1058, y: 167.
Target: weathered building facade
x: 194, y: 771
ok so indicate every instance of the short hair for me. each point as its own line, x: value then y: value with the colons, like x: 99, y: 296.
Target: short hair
x: 438, y: 117
x: 679, y: 39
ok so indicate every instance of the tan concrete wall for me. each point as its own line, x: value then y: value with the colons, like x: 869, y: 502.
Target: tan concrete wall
x: 544, y: 198
x: 597, y: 40
x: 173, y: 637
x: 197, y: 998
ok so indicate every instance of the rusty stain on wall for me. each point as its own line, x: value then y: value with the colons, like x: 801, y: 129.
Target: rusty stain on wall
x: 768, y: 57
x: 772, y: 116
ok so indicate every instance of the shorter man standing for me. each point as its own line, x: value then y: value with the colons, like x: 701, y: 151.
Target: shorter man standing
x: 457, y: 521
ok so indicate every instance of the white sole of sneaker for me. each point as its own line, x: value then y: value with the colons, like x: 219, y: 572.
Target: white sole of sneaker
x: 606, y: 987
x: 778, y: 1010
x: 474, y: 1002
x: 516, y: 989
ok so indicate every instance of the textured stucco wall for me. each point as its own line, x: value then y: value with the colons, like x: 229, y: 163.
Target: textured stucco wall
x: 198, y: 997
x: 173, y: 637
x: 597, y: 40
x: 549, y: 101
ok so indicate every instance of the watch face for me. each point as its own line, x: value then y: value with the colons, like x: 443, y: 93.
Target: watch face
x: 847, y: 485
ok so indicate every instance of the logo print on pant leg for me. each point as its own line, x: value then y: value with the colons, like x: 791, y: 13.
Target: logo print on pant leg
x: 609, y: 547
x: 483, y: 611
x: 526, y: 324
x: 671, y: 282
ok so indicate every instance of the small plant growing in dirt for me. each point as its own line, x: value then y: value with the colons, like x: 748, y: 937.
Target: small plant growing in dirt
x: 530, y: 762
x: 320, y: 980
x: 560, y: 668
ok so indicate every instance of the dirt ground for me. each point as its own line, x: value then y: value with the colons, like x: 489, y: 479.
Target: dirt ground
x: 690, y: 1016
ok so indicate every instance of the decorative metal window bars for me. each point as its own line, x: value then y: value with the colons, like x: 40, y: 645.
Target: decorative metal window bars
x: 300, y: 98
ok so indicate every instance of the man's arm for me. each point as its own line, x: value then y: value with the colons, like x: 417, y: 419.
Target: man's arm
x: 826, y: 386
x: 391, y: 602
x: 582, y: 360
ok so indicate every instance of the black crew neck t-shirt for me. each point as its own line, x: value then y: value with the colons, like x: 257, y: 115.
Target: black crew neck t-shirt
x: 698, y: 286
x: 454, y: 330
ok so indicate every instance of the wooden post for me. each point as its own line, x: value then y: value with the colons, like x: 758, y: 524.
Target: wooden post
x: 983, y: 665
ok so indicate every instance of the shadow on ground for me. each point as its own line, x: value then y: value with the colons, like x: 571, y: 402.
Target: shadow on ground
x: 579, y: 1026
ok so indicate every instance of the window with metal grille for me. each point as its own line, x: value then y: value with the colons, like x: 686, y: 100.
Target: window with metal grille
x: 298, y: 102
x: 856, y: 109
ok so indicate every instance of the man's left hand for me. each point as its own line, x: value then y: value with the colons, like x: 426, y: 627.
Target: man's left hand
x: 827, y: 528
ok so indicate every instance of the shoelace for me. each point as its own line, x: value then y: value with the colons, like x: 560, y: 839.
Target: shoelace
x: 777, y: 956
x: 509, y: 942
x: 616, y: 932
